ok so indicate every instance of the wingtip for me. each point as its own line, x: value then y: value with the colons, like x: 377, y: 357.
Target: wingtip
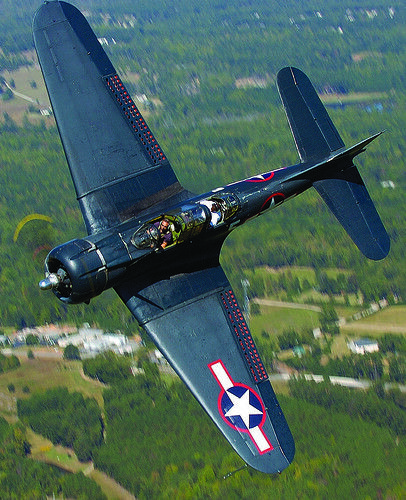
x: 48, y: 13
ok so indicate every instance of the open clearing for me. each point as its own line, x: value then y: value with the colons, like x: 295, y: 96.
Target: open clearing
x: 389, y: 320
x: 44, y: 451
x: 40, y: 374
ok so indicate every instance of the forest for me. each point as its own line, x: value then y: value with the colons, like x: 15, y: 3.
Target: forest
x: 208, y: 71
x: 65, y: 418
x: 160, y: 444
x: 24, y: 478
x: 194, y: 465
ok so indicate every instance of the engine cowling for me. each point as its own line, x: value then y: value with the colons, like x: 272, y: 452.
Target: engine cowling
x: 75, y: 271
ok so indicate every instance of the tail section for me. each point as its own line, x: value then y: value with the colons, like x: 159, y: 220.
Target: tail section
x: 336, y: 178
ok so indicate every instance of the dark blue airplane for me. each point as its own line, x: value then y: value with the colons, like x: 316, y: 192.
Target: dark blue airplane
x: 158, y: 245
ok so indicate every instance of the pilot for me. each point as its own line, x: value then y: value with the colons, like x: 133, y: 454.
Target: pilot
x: 165, y: 234
x: 215, y: 211
x: 215, y: 214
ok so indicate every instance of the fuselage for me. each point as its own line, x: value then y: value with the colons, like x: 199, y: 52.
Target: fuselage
x: 82, y: 269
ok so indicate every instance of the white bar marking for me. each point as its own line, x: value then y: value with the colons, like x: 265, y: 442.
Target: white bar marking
x: 222, y: 376
x: 260, y: 439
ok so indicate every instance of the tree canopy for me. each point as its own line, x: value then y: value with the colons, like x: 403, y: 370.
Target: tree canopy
x: 64, y: 418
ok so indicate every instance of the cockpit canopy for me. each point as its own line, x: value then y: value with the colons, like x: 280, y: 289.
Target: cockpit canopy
x: 186, y: 223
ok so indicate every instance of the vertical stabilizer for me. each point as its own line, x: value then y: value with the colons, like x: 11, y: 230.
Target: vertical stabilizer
x: 315, y: 134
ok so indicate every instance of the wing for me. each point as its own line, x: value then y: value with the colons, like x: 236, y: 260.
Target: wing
x: 195, y: 321
x: 117, y: 166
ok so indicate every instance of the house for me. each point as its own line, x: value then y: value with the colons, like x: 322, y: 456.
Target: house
x: 362, y: 346
x: 3, y: 340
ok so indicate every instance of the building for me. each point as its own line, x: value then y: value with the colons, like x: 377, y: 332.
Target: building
x: 4, y: 340
x: 85, y: 334
x: 47, y: 334
x: 93, y: 341
x: 362, y: 346
x: 117, y: 343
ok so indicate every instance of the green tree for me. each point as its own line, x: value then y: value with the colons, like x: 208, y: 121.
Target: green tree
x: 108, y: 367
x: 32, y: 339
x: 64, y: 418
x: 8, y: 362
x: 328, y: 319
x: 397, y: 369
x: 289, y: 339
x: 71, y: 352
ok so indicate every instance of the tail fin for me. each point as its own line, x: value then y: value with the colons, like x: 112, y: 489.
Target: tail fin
x: 338, y: 181
x: 315, y: 134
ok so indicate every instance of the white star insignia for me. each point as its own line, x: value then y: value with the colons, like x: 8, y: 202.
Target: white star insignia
x: 242, y: 407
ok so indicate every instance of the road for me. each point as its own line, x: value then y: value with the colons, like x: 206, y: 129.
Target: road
x: 18, y: 94
x: 287, y: 305
x: 343, y: 381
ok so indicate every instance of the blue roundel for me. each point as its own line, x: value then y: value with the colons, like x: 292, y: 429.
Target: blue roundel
x: 241, y: 407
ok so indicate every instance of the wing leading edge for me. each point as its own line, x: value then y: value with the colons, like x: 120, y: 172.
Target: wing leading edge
x: 117, y: 165
x: 195, y: 321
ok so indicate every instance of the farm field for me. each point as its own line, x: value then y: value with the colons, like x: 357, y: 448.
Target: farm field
x: 277, y: 319
x: 389, y: 320
x: 40, y: 374
x: 29, y: 86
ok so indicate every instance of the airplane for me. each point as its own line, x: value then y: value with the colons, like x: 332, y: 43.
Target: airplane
x: 158, y: 245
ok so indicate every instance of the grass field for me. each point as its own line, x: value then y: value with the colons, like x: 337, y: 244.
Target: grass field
x: 353, y: 97
x: 110, y: 488
x: 307, y: 277
x: 391, y: 316
x: 44, y: 451
x: 276, y: 320
x: 389, y: 320
x: 23, y: 79
x: 40, y: 374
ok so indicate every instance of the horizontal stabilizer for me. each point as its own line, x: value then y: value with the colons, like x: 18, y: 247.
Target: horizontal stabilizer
x: 315, y: 134
x: 355, y: 150
x: 348, y: 199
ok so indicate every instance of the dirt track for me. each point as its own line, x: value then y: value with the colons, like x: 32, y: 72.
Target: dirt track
x: 287, y: 305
